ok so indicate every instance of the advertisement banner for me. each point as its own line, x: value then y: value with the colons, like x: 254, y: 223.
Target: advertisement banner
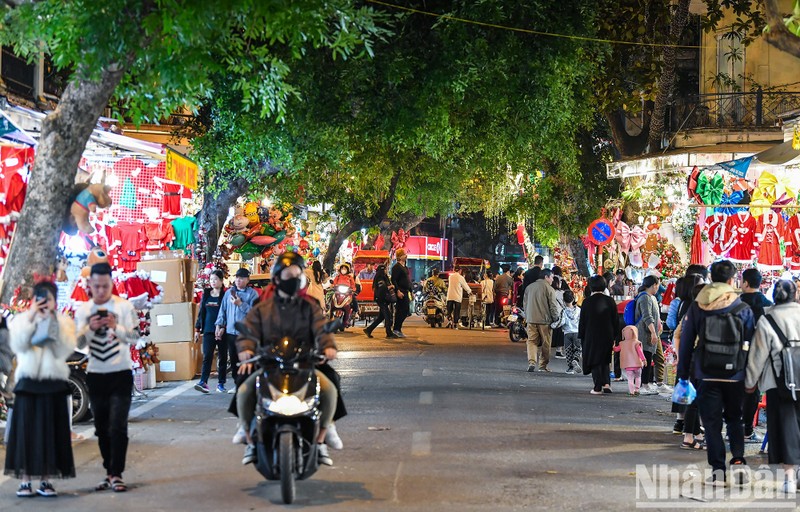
x: 427, y: 248
x: 181, y: 170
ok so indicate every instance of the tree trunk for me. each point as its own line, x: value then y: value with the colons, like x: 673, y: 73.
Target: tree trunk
x: 579, y: 255
x: 337, y: 239
x: 405, y: 221
x: 778, y: 35
x: 212, y: 217
x: 666, y: 82
x: 64, y: 136
x: 626, y: 145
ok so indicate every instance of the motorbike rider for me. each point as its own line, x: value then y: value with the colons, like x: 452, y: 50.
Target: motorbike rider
x: 344, y: 278
x: 285, y: 311
x: 435, y: 285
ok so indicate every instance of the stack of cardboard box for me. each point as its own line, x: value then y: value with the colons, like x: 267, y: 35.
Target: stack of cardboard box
x: 172, y: 321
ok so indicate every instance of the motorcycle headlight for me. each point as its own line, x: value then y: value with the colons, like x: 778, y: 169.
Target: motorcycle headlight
x: 342, y: 289
x: 289, y: 404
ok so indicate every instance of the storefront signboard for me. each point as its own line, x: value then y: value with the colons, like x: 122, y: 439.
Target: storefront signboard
x: 181, y: 170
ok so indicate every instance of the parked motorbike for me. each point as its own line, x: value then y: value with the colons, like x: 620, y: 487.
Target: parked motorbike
x: 77, y: 384
x: 434, y: 310
x: 516, y: 325
x: 341, y: 304
x: 419, y: 303
x: 505, y: 312
x: 287, y: 421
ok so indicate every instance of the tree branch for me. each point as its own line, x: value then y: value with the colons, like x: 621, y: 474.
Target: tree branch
x: 778, y: 35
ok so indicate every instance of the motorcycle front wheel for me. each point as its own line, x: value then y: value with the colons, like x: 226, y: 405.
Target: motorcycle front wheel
x: 79, y: 398
x: 514, y: 333
x: 287, y: 467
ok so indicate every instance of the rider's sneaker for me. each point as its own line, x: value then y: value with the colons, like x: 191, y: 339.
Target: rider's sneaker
x: 239, y: 437
x: 202, y: 387
x: 332, y: 438
x: 249, y: 454
x: 322, y: 455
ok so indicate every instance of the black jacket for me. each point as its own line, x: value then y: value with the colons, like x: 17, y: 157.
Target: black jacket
x: 380, y: 287
x: 209, y: 309
x: 400, y: 278
x: 598, y: 329
x: 757, y: 303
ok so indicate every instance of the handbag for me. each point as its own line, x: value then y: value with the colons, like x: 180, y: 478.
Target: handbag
x: 391, y: 296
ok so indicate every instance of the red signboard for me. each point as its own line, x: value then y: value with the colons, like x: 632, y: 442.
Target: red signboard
x: 427, y: 248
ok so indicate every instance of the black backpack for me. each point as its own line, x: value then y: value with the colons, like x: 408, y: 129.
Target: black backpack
x: 721, y: 346
x: 788, y: 382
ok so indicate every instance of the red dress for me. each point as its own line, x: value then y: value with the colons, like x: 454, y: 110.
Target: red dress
x: 791, y: 236
x: 719, y: 234
x: 768, y: 242
x: 744, y: 228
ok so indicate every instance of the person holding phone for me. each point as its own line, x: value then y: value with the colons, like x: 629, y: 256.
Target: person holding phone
x: 108, y: 324
x: 39, y: 431
x: 236, y: 303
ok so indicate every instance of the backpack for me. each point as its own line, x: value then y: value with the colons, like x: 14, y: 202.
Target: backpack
x: 629, y: 314
x: 789, y: 380
x: 721, y: 344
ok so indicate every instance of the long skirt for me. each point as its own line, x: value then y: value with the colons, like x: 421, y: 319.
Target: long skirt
x: 39, y: 443
x: 783, y: 426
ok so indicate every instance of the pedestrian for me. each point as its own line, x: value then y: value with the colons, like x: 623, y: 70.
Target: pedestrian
x: 558, y: 331
x: 618, y: 286
x: 108, y: 324
x: 648, y: 323
x: 598, y: 330
x: 236, y: 302
x: 503, y: 288
x: 531, y: 276
x: 516, y: 289
x: 631, y: 358
x: 487, y: 297
x: 456, y: 285
x: 542, y: 308
x: 718, y: 363
x: 205, y: 327
x: 316, y: 277
x: 572, y: 344
x: 765, y: 371
x: 384, y: 296
x: 752, y: 296
x: 39, y: 428
x: 402, y: 286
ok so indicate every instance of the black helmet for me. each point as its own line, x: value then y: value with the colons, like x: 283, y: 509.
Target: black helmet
x: 285, y: 260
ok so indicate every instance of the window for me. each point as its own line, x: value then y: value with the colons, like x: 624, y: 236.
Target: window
x: 18, y: 75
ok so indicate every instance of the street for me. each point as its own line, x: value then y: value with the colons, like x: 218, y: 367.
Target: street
x: 441, y: 420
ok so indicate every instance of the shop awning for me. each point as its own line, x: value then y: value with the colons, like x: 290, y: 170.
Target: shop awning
x: 12, y: 133
x: 782, y: 154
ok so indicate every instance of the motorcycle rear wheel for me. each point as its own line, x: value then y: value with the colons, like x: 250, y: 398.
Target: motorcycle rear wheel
x: 514, y: 334
x: 287, y: 467
x: 79, y: 398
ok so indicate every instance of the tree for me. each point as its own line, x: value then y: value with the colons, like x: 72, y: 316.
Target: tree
x: 783, y: 34
x: 156, y: 56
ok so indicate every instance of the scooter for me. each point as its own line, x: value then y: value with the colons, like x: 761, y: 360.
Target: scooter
x: 341, y: 304
x: 287, y: 420
x: 516, y: 325
x: 433, y: 311
x: 505, y: 303
x: 419, y: 303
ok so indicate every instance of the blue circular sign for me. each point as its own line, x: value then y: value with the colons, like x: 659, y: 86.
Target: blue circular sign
x: 601, y: 232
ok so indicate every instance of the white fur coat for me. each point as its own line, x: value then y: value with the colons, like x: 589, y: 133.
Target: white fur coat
x: 47, y: 362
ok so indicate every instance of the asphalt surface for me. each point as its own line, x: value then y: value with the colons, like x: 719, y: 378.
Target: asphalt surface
x: 441, y: 420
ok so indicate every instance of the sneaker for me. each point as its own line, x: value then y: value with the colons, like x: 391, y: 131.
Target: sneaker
x: 607, y: 391
x: 560, y: 356
x: 570, y: 371
x: 232, y: 391
x: 322, y: 455
x: 717, y: 479
x: 249, y: 454
x: 25, y: 490
x: 663, y: 389
x: 531, y: 368
x: 578, y: 369
x: 753, y: 438
x: 332, y: 438
x: 221, y: 388
x: 788, y: 487
x: 647, y: 390
x: 401, y: 335
x: 545, y: 369
x: 202, y: 387
x: 740, y: 474
x: 369, y: 334
x: 239, y: 437
x: 593, y: 392
x: 46, y: 489
x: 677, y: 428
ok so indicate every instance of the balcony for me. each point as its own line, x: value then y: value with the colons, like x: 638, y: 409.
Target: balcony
x: 732, y: 111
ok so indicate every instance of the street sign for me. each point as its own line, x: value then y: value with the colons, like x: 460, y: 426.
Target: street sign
x: 601, y: 232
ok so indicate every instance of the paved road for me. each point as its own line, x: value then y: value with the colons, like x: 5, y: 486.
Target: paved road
x: 442, y: 420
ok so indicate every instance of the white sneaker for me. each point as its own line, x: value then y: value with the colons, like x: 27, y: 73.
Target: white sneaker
x: 648, y: 390
x: 332, y: 438
x: 239, y: 437
x: 789, y: 487
x: 322, y: 455
x: 663, y: 388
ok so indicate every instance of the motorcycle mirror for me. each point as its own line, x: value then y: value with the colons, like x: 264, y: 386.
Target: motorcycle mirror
x: 333, y: 326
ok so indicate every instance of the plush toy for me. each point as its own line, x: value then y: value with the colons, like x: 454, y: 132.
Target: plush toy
x: 96, y: 255
x: 88, y: 199
x: 61, y: 270
x: 251, y: 212
x: 239, y: 224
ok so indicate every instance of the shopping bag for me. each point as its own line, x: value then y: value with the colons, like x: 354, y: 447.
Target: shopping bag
x: 684, y: 392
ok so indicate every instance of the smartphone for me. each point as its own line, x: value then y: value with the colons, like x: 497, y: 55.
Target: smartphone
x: 102, y: 313
x: 40, y: 297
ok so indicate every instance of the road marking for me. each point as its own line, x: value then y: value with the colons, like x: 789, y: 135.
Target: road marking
x: 395, y: 497
x: 427, y: 372
x: 426, y: 397
x: 421, y: 443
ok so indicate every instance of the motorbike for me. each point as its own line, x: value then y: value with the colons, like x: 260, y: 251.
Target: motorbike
x: 287, y: 420
x: 505, y: 303
x: 419, y: 303
x: 341, y: 304
x: 434, y: 309
x: 78, y: 386
x: 516, y: 325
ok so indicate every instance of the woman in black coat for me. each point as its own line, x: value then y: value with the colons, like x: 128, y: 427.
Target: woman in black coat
x: 598, y: 330
x: 382, y: 287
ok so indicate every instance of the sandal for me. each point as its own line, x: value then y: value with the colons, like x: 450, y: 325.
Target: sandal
x: 103, y: 485
x: 25, y: 490
x: 117, y: 485
x: 694, y: 445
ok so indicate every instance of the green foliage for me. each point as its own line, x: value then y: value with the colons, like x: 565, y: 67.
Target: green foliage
x: 172, y: 49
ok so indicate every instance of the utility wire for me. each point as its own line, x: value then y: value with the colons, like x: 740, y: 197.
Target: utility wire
x: 529, y: 31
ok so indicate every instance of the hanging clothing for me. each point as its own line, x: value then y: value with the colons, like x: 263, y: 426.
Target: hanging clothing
x: 171, y: 206
x: 720, y: 235
x: 743, y: 227
x: 133, y: 241
x: 158, y: 234
x: 791, y: 236
x: 184, y: 232
x: 128, y: 199
x: 768, y: 243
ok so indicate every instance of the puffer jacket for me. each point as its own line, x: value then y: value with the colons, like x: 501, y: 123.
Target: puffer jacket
x: 768, y: 345
x: 46, y: 362
x: 299, y: 318
x: 714, y: 299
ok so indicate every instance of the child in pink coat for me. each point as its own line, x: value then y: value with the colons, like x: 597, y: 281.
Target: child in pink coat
x: 631, y: 358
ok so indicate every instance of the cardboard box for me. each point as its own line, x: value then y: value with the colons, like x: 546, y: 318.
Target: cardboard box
x: 170, y: 275
x: 176, y: 361
x: 171, y: 323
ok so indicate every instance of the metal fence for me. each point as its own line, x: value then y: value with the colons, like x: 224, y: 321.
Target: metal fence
x: 731, y: 110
